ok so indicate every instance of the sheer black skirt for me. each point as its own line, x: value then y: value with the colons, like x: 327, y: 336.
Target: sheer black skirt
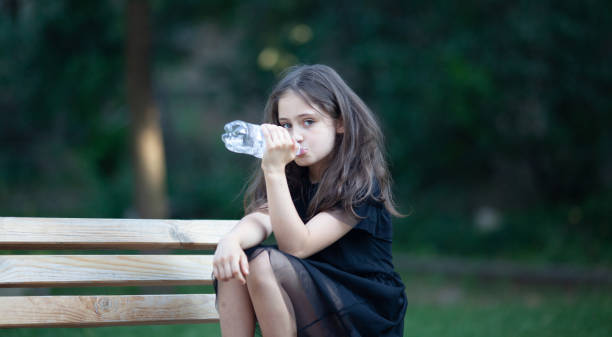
x: 330, y: 302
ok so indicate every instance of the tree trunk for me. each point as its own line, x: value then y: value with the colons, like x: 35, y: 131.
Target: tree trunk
x: 147, y: 143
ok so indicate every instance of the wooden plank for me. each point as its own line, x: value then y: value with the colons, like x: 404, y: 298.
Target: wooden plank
x: 72, y: 311
x: 104, y: 270
x: 90, y: 233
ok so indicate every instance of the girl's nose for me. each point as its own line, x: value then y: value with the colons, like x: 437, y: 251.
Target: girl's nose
x: 298, y: 137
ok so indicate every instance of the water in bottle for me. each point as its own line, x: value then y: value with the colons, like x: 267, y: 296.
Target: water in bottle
x: 243, y: 137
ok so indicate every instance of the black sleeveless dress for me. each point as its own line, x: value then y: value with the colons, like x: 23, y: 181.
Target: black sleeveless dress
x: 349, y: 288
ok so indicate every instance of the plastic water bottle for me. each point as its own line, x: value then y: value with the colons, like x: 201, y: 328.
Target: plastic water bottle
x: 243, y: 137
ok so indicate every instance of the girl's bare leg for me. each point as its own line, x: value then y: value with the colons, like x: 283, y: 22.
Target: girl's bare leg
x: 235, y: 309
x: 272, y: 305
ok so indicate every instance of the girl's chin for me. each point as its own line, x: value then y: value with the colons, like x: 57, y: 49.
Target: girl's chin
x: 301, y: 161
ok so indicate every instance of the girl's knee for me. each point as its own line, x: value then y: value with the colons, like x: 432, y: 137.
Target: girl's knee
x: 230, y: 289
x: 260, y: 271
x: 230, y: 292
x: 230, y: 286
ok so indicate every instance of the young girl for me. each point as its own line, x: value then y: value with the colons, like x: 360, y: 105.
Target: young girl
x: 329, y: 209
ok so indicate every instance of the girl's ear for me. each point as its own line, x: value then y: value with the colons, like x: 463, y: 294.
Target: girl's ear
x: 339, y: 125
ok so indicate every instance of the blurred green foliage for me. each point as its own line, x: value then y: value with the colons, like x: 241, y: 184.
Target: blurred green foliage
x: 496, y: 113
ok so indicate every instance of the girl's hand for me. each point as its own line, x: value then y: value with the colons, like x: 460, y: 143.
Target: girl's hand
x: 230, y: 261
x: 280, y: 148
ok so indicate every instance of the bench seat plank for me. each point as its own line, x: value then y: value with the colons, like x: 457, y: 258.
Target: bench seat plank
x: 104, y: 270
x: 72, y: 311
x: 86, y: 233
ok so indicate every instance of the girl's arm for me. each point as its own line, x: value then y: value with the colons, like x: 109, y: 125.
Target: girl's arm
x: 292, y: 235
x: 230, y: 261
x: 252, y: 229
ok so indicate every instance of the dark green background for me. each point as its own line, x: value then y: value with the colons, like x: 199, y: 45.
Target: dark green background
x: 496, y: 113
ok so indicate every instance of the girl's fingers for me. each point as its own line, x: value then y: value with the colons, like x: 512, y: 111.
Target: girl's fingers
x: 288, y: 139
x: 227, y: 271
x: 216, y: 272
x: 275, y: 135
x: 231, y: 269
x: 279, y: 146
x: 244, y: 264
x: 220, y: 273
x: 236, y: 271
x: 267, y: 133
x: 284, y: 136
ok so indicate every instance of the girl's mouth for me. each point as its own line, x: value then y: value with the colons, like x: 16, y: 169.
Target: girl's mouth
x: 302, y: 152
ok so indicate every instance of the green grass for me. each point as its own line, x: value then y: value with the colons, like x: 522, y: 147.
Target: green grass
x: 442, y: 306
x: 466, y: 307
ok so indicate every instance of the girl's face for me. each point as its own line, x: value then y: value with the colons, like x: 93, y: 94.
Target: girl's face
x: 314, y: 130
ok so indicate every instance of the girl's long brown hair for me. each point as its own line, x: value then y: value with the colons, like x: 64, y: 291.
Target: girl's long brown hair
x: 358, y: 160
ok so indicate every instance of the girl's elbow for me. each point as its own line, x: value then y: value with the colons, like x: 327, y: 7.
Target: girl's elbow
x: 300, y: 254
x: 298, y: 246
x: 288, y: 249
x: 292, y: 250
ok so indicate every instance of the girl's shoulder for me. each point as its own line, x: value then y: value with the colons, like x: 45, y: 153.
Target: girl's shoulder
x: 374, y: 217
x: 371, y: 197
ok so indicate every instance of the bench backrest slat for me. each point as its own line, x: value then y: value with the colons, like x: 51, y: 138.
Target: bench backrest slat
x: 104, y: 270
x: 72, y: 311
x: 82, y: 233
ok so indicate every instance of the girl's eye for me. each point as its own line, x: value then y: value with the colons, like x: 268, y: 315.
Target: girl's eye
x: 308, y: 122
x: 285, y: 125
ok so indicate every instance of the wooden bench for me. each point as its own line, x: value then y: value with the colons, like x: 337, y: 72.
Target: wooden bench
x: 109, y: 269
